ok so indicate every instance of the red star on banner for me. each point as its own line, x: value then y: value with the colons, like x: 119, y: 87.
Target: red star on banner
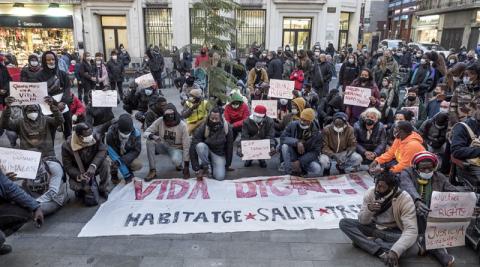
x: 250, y: 216
x: 322, y: 211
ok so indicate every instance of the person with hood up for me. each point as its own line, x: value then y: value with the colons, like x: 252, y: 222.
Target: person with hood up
x: 387, y: 224
x: 29, y: 72
x: 185, y: 64
x: 328, y: 106
x: 212, y: 146
x: 58, y: 84
x: 116, y: 72
x: 298, y: 105
x: 202, y: 58
x: 195, y: 110
x: 156, y: 63
x: 100, y: 77
x: 365, y: 80
x: 168, y: 135
x: 301, y: 144
x: 156, y: 107
x: 399, y: 156
x: 236, y: 112
x: 124, y: 147
x: 258, y: 126
x: 84, y: 157
x: 412, y: 102
x: 370, y: 135
x: 339, y: 146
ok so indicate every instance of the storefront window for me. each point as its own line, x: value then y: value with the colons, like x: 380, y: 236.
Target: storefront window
x: 250, y: 29
x: 344, y: 27
x: 158, y: 27
x: 478, y: 17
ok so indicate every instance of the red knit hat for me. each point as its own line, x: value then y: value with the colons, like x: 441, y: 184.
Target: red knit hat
x: 260, y: 111
x: 424, y: 155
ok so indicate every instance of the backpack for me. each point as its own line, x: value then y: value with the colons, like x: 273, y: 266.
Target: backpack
x: 475, y: 143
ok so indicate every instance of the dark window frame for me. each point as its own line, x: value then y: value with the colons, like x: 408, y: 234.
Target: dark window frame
x: 162, y: 31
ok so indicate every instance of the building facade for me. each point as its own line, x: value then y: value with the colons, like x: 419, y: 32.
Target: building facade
x: 101, y: 26
x: 374, y: 22
x: 454, y: 23
x: 400, y: 18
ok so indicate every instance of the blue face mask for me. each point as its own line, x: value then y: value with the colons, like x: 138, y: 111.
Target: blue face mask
x: 148, y: 92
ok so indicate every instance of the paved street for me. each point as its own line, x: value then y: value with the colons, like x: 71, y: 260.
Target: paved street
x: 56, y: 244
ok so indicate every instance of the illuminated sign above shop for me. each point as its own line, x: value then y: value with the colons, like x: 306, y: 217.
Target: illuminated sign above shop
x: 36, y: 22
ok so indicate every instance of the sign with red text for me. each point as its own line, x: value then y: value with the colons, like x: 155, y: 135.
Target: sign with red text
x: 256, y: 149
x: 452, y: 205
x: 445, y: 234
x: 357, y: 96
x: 179, y: 206
x: 145, y: 81
x: 281, y: 89
x: 271, y: 106
x: 28, y: 93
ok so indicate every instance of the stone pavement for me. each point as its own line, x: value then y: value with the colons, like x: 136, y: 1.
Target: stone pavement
x: 56, y: 244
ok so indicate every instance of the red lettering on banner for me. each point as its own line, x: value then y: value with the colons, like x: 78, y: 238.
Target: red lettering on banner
x: 199, y: 186
x: 304, y: 185
x: 163, y: 189
x: 252, y: 190
x: 139, y: 194
x: 358, y: 180
x: 288, y: 190
x: 183, y: 189
x: 262, y: 188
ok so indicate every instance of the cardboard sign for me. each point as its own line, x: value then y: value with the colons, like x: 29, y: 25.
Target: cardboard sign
x: 281, y: 89
x: 145, y: 81
x: 22, y: 162
x: 452, y: 205
x: 256, y: 149
x: 46, y: 108
x: 414, y: 110
x: 271, y: 106
x: 445, y: 234
x: 357, y: 96
x: 28, y: 93
x: 102, y: 98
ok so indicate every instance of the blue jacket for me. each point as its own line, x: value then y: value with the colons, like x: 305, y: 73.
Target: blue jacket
x: 9, y: 191
x: 313, y: 146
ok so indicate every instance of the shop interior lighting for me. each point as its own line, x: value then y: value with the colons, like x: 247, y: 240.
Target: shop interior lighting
x: 18, y: 5
x: 53, y: 5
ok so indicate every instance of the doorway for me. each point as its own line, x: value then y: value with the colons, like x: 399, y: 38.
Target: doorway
x: 114, y: 32
x: 297, y: 33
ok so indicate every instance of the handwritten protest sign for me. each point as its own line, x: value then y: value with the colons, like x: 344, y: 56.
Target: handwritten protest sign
x: 414, y: 110
x: 256, y: 149
x: 281, y: 89
x: 357, y: 96
x: 271, y: 106
x: 22, y: 162
x: 145, y: 81
x: 102, y: 98
x: 28, y: 93
x: 46, y: 108
x: 452, y: 204
x: 445, y: 234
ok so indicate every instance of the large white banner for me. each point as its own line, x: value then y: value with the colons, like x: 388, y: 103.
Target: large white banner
x: 178, y: 206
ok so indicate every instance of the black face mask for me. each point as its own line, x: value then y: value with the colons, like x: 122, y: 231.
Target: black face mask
x: 379, y: 195
x: 363, y: 79
x: 369, y: 122
x: 214, y: 126
x: 411, y: 98
x: 169, y: 117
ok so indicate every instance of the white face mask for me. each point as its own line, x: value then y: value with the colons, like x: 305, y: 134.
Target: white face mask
x: 98, y: 62
x: 51, y: 66
x: 88, y: 139
x: 466, y: 80
x: 303, y: 126
x: 251, y: 56
x: 317, y: 54
x: 89, y: 58
x: 33, y: 63
x: 456, y: 79
x: 452, y: 61
x: 235, y: 106
x: 445, y: 110
x: 257, y: 119
x: 114, y: 57
x: 148, y: 92
x: 419, y: 55
x: 32, y: 116
x: 351, y: 60
x: 294, y: 111
x: 123, y: 136
x: 283, y: 102
x: 338, y: 130
x: 423, y: 61
x: 425, y: 175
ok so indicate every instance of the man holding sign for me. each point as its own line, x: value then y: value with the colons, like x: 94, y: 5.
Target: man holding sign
x: 258, y: 127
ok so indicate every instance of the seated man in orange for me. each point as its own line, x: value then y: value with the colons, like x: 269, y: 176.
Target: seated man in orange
x: 399, y: 157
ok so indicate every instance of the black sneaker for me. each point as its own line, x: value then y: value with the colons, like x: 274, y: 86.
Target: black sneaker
x: 247, y: 163
x: 5, y: 249
x: 263, y: 163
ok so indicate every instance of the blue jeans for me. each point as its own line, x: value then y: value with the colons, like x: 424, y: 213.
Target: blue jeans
x: 289, y: 155
x: 209, y: 158
x: 352, y: 162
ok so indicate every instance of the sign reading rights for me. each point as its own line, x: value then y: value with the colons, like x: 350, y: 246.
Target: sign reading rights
x: 22, y: 162
x: 247, y: 204
x: 452, y: 204
x: 357, y: 96
x: 28, y: 93
x: 281, y: 89
x: 256, y: 149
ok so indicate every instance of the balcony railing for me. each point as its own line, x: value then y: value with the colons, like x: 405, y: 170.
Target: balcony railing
x: 424, y: 5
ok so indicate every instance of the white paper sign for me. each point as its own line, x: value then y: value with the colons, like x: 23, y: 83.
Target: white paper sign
x: 102, y: 98
x: 271, y: 106
x: 179, y: 206
x: 452, y: 205
x: 357, y: 96
x: 256, y: 149
x: 46, y: 108
x: 145, y: 81
x: 445, y: 234
x: 28, y: 93
x: 22, y: 162
x: 414, y: 110
x: 281, y: 89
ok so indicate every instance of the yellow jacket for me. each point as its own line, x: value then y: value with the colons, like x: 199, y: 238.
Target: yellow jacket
x: 198, y: 114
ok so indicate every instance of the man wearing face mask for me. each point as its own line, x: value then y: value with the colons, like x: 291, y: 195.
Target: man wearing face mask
x: 123, y: 56
x: 339, y: 146
x: 195, y: 110
x: 84, y: 157
x: 301, y: 144
x: 156, y: 64
x: 168, y: 135
x: 142, y: 99
x: 413, y: 102
x: 99, y: 117
x: 348, y: 72
x: 418, y: 57
x: 258, y: 126
x: 29, y: 72
x: 466, y: 96
x: 433, y: 106
x: 156, y: 107
x: 370, y: 134
x: 297, y: 106
x: 187, y: 87
x: 124, y: 147
x: 386, y: 226
x: 251, y: 61
x: 310, y: 96
x: 399, y: 156
x: 434, y: 134
x: 275, y: 66
x: 236, y: 112
x: 202, y: 58
x: 116, y: 72
x: 321, y: 76
x: 256, y: 76
x: 86, y: 74
x: 419, y: 181
x: 212, y: 147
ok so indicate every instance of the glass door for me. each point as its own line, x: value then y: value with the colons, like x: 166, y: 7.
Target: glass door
x: 114, y: 30
x: 297, y: 33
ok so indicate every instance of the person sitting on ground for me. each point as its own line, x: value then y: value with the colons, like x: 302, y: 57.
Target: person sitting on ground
x: 16, y: 208
x: 78, y: 110
x: 464, y: 143
x: 339, y: 146
x: 328, y: 106
x: 212, y: 146
x: 301, y: 144
x: 195, y: 110
x: 413, y: 102
x: 434, y: 133
x: 84, y: 157
x: 258, y: 126
x: 388, y: 116
x: 386, y: 226
x: 156, y: 107
x: 406, y: 144
x: 370, y: 135
x: 124, y: 148
x: 187, y: 87
x: 236, y: 112
x: 99, y: 117
x: 400, y: 115
x: 433, y: 106
x: 311, y: 96
x: 168, y: 135
x: 298, y: 105
x: 419, y: 181
x: 256, y: 76
x: 142, y: 99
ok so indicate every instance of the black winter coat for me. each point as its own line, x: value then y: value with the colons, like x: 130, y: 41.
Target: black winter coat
x: 115, y: 70
x: 252, y: 131
x: 133, y: 147
x: 98, y: 115
x: 433, y: 135
x: 377, y: 142
x: 348, y: 73
x: 275, y: 69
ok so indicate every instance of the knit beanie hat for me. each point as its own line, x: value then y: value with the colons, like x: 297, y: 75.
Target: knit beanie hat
x: 236, y: 97
x: 260, y: 111
x: 307, y: 114
x: 196, y: 93
x: 125, y: 123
